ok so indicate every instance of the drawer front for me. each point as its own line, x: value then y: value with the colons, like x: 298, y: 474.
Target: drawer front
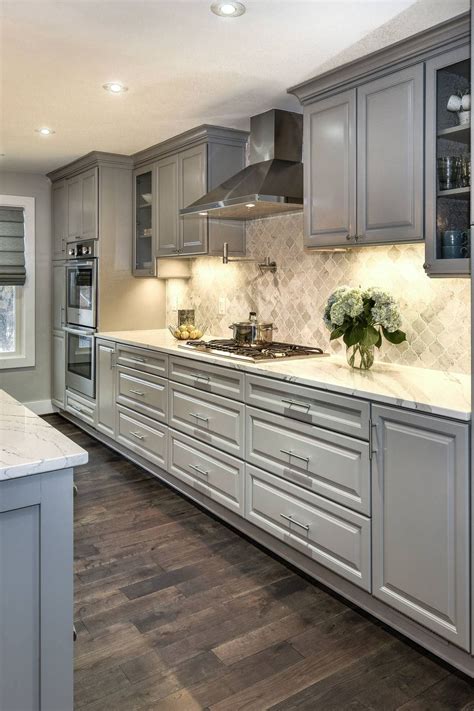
x: 208, y: 378
x: 80, y: 407
x: 142, y: 436
x: 328, y: 533
x: 209, y: 418
x: 345, y: 415
x: 143, y: 393
x: 208, y: 470
x: 142, y: 359
x: 327, y: 463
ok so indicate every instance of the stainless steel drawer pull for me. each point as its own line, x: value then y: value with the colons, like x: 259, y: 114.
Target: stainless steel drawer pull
x: 136, y: 392
x: 137, y: 359
x: 199, y: 470
x: 137, y: 435
x: 290, y: 453
x: 199, y: 417
x: 306, y: 405
x: 76, y: 407
x: 297, y: 523
x: 200, y: 376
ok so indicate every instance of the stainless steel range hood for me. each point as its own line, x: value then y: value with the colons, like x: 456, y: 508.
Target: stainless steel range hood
x: 272, y: 183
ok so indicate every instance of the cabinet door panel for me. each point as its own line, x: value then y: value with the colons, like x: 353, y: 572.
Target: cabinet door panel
x: 192, y: 185
x: 58, y: 385
x: 74, y: 208
x: 330, y: 170
x: 89, y: 205
x: 390, y: 158
x: 166, y: 204
x: 105, y: 387
x: 59, y: 213
x: 421, y: 520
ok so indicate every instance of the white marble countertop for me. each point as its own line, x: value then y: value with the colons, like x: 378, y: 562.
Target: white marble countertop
x: 29, y: 445
x: 432, y: 391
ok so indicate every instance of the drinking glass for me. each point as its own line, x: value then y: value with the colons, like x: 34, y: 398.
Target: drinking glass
x: 449, y: 172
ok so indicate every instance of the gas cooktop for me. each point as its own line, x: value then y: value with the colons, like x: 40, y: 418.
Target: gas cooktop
x: 253, y: 353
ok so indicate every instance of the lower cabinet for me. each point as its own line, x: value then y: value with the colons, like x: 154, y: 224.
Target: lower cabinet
x: 143, y: 436
x: 326, y: 532
x: 36, y: 593
x: 208, y: 470
x: 80, y: 406
x: 58, y: 374
x: 105, y: 386
x: 421, y: 520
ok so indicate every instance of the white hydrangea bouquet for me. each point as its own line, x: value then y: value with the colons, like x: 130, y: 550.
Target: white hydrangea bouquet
x: 362, y: 318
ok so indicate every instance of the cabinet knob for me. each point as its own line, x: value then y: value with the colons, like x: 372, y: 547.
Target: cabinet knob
x: 348, y: 237
x: 427, y: 266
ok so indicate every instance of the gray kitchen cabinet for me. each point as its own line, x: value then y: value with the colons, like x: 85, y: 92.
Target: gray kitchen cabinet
x: 105, y: 386
x: 144, y: 263
x: 58, y: 344
x: 142, y: 392
x: 36, y: 593
x: 446, y: 209
x: 144, y: 436
x: 330, y: 170
x: 209, y: 378
x: 59, y: 199
x: 185, y: 167
x: 390, y: 158
x: 167, y: 206
x: 82, y: 206
x: 421, y: 526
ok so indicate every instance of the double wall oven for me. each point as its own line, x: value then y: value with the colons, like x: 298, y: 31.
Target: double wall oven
x: 81, y: 316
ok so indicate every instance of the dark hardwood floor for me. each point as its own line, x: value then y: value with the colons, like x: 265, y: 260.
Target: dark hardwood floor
x: 176, y: 611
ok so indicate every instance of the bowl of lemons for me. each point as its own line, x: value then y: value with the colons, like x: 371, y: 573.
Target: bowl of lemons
x: 187, y: 332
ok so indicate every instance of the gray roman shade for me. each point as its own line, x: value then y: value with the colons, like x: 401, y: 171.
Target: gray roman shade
x: 12, y: 246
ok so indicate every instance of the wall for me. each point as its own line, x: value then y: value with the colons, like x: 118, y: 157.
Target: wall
x: 34, y: 384
x: 436, y: 312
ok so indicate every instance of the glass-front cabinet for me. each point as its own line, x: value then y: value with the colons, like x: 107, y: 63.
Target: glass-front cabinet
x: 448, y: 164
x: 144, y: 263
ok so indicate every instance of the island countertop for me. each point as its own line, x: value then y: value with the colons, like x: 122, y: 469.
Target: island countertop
x: 29, y: 445
x: 432, y: 391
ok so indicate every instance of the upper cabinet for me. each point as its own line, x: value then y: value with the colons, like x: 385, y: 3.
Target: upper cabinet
x: 448, y: 168
x: 82, y: 206
x: 363, y: 160
x: 59, y: 219
x: 175, y: 174
x: 385, y: 159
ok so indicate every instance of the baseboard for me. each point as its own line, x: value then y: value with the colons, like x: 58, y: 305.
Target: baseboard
x: 40, y: 407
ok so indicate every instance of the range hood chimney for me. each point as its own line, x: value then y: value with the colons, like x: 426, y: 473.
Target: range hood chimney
x: 272, y: 183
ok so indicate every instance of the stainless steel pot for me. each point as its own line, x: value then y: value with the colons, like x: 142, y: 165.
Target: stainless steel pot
x: 252, y: 332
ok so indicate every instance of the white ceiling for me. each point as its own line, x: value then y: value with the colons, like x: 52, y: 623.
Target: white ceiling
x: 183, y: 66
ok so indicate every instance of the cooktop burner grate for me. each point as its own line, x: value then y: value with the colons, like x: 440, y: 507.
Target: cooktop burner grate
x: 256, y: 352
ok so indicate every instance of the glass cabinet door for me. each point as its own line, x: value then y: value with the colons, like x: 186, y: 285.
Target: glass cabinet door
x: 448, y: 164
x: 143, y: 253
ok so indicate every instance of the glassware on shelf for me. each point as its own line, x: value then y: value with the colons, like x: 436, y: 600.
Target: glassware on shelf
x: 449, y: 172
x: 455, y: 244
x: 466, y: 170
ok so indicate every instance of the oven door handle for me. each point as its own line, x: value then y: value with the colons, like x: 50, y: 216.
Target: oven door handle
x: 78, y: 331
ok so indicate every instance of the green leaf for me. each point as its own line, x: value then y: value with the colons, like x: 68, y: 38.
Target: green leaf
x: 354, y: 335
x: 395, y: 337
x: 371, y: 336
x: 337, y: 333
x: 379, y: 342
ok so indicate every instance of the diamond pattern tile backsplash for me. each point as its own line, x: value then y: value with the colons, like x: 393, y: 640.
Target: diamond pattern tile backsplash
x: 435, y: 312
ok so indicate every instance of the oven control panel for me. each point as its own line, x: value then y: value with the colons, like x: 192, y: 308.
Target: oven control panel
x: 78, y: 250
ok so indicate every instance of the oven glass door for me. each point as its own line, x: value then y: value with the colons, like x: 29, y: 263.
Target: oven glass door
x: 80, y: 368
x: 81, y: 293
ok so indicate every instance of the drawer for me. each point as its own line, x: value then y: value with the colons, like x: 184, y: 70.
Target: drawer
x: 345, y: 415
x: 142, y: 436
x: 206, y: 469
x: 143, y: 393
x: 142, y: 359
x: 209, y: 418
x: 208, y: 378
x: 327, y: 533
x: 324, y: 462
x: 80, y: 407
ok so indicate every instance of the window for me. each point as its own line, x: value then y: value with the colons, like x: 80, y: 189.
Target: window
x: 17, y: 303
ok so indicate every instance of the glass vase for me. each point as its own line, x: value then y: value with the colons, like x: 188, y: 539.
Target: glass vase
x: 360, y: 357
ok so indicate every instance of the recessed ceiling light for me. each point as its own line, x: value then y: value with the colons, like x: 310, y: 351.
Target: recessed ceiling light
x: 115, y: 87
x: 228, y: 9
x: 45, y: 131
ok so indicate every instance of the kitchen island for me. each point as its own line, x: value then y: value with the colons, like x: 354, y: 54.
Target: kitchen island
x: 36, y: 561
